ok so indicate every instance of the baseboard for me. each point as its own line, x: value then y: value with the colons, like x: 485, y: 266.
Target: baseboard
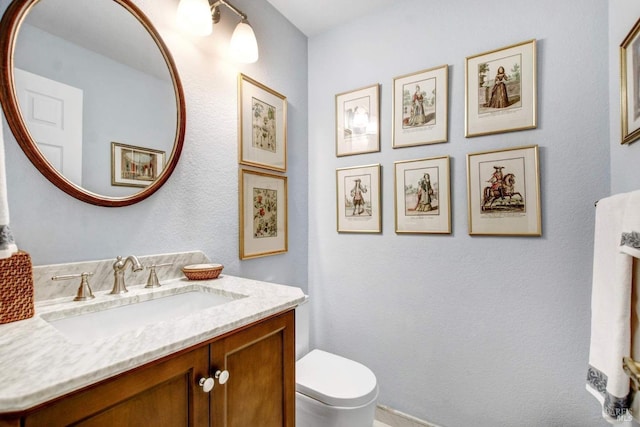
x: 394, y: 418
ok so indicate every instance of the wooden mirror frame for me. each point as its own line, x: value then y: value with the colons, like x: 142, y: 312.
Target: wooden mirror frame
x: 9, y: 27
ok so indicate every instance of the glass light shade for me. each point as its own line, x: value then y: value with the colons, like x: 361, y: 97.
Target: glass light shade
x: 194, y: 16
x: 243, y: 45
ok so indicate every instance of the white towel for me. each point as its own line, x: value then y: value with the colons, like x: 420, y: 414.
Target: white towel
x: 7, y: 244
x: 610, y: 312
x: 630, y: 245
x: 630, y: 239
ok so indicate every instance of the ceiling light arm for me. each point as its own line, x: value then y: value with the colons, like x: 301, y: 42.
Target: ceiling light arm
x: 215, y: 10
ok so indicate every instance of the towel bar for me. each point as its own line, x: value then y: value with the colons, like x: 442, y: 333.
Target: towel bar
x: 632, y: 369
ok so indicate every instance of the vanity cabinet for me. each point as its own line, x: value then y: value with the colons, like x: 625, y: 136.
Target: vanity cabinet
x: 260, y: 391
x: 163, y: 393
x: 261, y: 386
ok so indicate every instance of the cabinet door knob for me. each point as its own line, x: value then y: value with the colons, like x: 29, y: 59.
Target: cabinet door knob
x: 222, y: 376
x: 206, y: 384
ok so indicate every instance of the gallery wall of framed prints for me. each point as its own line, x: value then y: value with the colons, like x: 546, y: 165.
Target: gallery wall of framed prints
x: 262, y: 156
x: 503, y: 185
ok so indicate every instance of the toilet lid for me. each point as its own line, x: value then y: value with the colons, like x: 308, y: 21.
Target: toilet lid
x: 334, y: 380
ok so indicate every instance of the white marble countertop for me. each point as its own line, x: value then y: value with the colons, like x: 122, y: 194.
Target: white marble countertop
x: 39, y: 363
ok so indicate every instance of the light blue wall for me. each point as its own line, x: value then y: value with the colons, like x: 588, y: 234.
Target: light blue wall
x: 198, y: 207
x: 461, y: 330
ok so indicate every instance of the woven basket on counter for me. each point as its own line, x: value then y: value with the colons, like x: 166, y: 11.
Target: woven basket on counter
x: 202, y: 271
x: 16, y: 288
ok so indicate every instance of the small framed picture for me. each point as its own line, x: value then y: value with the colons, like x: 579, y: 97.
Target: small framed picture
x: 133, y: 166
x: 262, y: 122
x: 501, y: 90
x: 420, y: 107
x: 630, y: 85
x: 423, y: 196
x: 263, y: 214
x: 503, y: 192
x: 358, y: 199
x: 358, y: 121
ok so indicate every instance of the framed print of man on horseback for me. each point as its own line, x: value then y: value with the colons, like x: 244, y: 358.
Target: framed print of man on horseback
x: 501, y: 195
x: 504, y: 192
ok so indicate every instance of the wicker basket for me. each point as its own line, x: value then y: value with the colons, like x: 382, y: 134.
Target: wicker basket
x: 16, y: 288
x: 202, y: 271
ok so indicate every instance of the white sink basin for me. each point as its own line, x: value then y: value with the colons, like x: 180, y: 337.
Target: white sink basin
x: 95, y: 325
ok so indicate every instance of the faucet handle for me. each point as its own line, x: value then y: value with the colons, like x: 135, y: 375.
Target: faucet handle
x: 84, y: 290
x: 152, y: 281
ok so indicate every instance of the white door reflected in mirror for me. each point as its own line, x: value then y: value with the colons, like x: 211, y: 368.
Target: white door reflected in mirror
x: 53, y: 113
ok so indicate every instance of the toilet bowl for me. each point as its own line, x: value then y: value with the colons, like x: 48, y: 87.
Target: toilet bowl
x: 331, y: 390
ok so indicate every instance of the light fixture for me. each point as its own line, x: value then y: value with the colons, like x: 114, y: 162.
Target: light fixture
x: 193, y: 16
x: 198, y: 17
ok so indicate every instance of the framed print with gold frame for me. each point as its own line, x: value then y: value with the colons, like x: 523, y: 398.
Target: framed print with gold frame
x: 630, y: 85
x: 262, y: 125
x: 358, y: 199
x: 503, y: 192
x: 358, y: 121
x: 420, y: 107
x: 423, y: 196
x: 133, y: 166
x: 500, y: 90
x: 263, y: 214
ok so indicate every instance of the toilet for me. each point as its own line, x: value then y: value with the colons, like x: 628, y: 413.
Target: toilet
x: 331, y: 390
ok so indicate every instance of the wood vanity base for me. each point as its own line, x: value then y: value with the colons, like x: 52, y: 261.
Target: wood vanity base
x: 260, y: 359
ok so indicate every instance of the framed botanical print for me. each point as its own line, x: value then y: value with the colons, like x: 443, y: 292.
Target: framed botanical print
x: 263, y: 214
x: 630, y: 85
x: 420, y: 107
x: 501, y: 90
x: 133, y: 166
x: 358, y: 199
x: 423, y: 196
x: 262, y: 123
x: 503, y: 192
x: 358, y: 121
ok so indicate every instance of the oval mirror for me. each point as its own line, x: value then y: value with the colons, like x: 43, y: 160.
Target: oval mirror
x: 92, y: 95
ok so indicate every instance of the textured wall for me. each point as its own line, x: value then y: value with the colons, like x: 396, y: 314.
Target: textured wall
x: 461, y: 330
x: 197, y: 208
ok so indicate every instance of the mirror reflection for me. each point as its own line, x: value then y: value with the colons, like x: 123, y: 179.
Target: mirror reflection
x: 96, y: 94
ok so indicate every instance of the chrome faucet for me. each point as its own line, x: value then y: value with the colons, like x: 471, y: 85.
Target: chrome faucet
x: 118, y: 273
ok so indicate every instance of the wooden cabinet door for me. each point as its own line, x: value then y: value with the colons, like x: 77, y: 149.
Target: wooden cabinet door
x: 160, y: 394
x: 261, y: 365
